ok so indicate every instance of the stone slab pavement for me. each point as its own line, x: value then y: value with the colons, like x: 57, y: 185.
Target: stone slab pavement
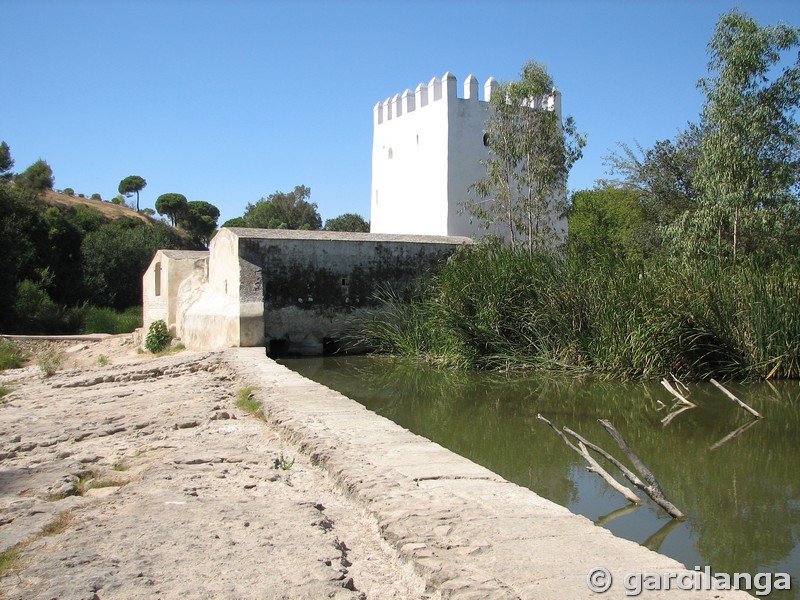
x: 467, y: 531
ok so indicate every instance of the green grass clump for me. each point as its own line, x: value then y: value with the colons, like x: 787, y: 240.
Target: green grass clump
x: 50, y: 360
x: 248, y: 403
x: 9, y: 559
x: 11, y: 355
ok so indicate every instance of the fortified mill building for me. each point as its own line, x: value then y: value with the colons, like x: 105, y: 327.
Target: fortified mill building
x: 296, y: 291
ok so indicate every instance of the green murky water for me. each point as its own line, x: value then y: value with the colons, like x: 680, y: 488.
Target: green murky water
x: 741, y: 491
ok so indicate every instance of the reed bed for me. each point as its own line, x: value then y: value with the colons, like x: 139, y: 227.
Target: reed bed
x: 492, y: 307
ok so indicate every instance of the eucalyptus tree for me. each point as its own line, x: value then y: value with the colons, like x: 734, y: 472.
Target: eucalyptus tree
x: 531, y: 152
x: 747, y: 171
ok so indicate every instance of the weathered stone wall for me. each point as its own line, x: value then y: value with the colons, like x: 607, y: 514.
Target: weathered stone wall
x: 293, y: 291
x: 312, y: 284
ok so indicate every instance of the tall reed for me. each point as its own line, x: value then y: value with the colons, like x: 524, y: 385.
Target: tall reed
x: 492, y: 307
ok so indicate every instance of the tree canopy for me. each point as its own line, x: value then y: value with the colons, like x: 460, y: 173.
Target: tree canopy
x: 347, y: 222
x: 281, y: 210
x: 200, y: 221
x: 727, y: 185
x: 606, y: 222
x: 116, y: 255
x: 173, y: 206
x: 750, y: 151
x: 37, y: 177
x: 6, y: 162
x: 132, y: 184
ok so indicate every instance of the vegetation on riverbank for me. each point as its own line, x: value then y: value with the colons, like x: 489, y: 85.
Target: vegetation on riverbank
x: 687, y: 264
x: 494, y: 307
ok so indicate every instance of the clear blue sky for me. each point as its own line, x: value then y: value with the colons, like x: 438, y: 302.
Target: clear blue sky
x: 229, y: 101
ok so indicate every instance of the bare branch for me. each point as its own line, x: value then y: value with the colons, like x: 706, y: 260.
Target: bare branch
x: 681, y: 398
x: 653, y: 489
x: 594, y: 466
x: 752, y: 411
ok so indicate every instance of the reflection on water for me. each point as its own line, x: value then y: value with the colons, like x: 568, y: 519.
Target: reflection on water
x: 739, y: 489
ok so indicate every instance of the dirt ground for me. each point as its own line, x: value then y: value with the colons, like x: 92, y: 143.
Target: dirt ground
x: 131, y: 476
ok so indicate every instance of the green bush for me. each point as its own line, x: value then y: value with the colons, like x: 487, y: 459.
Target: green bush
x: 69, y: 192
x: 158, y: 337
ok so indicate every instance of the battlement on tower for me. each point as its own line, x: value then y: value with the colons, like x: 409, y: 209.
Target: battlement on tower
x: 429, y: 147
x: 446, y: 89
x: 436, y: 90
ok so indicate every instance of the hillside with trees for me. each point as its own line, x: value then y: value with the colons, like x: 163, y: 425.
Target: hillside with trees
x: 67, y: 260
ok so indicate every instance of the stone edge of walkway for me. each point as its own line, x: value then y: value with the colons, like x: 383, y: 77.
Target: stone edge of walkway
x: 467, y: 531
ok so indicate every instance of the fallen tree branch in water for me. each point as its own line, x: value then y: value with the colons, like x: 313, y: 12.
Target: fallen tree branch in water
x: 594, y: 466
x: 661, y: 500
x: 681, y: 398
x: 725, y: 391
x: 653, y: 489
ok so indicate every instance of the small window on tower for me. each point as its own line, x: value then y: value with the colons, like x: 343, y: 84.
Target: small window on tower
x: 486, y: 139
x: 391, y: 154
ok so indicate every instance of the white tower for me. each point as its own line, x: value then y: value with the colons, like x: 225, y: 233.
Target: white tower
x: 426, y: 153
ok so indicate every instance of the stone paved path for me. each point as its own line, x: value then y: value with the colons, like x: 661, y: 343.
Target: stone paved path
x: 202, y: 500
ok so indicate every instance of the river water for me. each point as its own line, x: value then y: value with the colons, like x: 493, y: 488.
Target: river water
x: 737, y: 479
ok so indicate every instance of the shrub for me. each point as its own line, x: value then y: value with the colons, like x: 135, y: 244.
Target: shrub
x: 11, y: 355
x: 50, y: 361
x: 69, y: 192
x: 158, y: 337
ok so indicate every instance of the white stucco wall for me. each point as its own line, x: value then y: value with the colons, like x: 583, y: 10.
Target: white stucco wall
x: 427, y: 148
x: 427, y: 152
x: 409, y: 161
x: 161, y: 284
x: 218, y: 317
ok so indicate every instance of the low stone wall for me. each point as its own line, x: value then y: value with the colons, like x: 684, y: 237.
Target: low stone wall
x: 469, y: 532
